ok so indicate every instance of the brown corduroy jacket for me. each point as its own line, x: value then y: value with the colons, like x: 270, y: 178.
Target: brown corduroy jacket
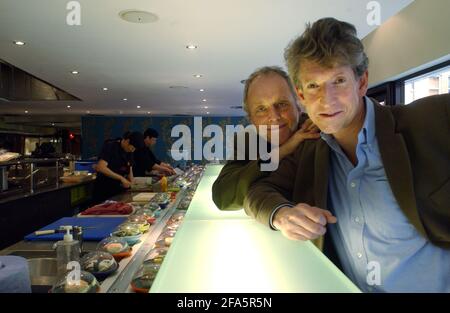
x: 414, y: 143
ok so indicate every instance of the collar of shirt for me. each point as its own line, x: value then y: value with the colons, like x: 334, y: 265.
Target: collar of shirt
x: 366, y: 135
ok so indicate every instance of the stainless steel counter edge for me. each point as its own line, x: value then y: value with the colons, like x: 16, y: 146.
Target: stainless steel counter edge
x: 45, y: 190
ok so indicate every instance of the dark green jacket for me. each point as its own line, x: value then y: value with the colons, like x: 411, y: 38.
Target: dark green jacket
x: 231, y: 186
x: 414, y: 143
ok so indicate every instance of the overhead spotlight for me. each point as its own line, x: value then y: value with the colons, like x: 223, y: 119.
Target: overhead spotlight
x: 19, y: 43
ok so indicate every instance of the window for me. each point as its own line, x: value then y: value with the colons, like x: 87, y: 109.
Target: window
x: 429, y: 84
x: 384, y: 93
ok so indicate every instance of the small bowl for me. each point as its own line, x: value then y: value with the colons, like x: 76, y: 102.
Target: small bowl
x: 141, y: 220
x: 88, y: 284
x: 156, y: 255
x: 118, y: 247
x: 131, y: 240
x: 144, y: 278
x: 93, y: 262
x: 165, y: 239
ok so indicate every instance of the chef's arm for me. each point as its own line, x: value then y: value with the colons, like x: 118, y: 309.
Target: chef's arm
x: 102, y: 167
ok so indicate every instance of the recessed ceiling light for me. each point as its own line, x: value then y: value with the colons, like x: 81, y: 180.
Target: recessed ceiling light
x: 105, y: 89
x: 26, y: 112
x: 53, y: 124
x: 207, y: 112
x: 198, y: 75
x: 75, y: 72
x: 205, y: 107
x: 136, y: 16
x: 125, y: 99
x: 138, y: 107
x: 202, y: 90
x: 68, y: 106
x: 88, y: 112
x: 19, y: 43
x: 204, y: 100
x: 191, y: 47
x: 148, y: 112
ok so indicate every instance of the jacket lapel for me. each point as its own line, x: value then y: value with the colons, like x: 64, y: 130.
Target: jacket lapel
x: 321, y: 172
x: 396, y: 164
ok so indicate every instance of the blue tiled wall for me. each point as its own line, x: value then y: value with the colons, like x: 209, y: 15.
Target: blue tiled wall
x: 96, y: 129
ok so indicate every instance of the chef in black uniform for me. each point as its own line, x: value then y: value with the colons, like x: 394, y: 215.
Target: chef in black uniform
x: 115, y: 166
x: 145, y: 160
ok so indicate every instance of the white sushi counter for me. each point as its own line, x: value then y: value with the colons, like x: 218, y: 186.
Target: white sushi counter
x: 227, y: 251
x: 210, y: 251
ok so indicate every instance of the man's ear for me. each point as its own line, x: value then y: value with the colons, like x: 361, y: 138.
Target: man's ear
x: 363, y: 83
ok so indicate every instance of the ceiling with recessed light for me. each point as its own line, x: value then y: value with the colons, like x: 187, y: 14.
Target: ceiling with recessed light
x: 151, y: 64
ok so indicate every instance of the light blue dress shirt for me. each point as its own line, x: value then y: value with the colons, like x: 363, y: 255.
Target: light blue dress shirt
x: 372, y: 234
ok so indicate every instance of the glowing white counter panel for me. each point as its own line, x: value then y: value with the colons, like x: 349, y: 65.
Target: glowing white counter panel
x: 202, y: 206
x: 244, y: 256
x: 227, y: 251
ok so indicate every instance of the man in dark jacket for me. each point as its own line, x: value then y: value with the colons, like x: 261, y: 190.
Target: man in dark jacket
x: 378, y: 179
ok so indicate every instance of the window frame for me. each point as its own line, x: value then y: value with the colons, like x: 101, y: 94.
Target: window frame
x: 394, y: 91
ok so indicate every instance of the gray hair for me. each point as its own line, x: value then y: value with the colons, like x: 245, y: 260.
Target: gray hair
x: 327, y: 42
x: 266, y: 70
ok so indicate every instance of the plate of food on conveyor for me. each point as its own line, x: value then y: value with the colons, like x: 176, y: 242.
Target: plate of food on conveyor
x: 143, y: 279
x: 156, y: 255
x: 128, y: 231
x: 148, y: 213
x: 86, y: 284
x: 141, y: 220
x: 165, y: 239
x: 162, y: 199
x: 154, y: 207
x: 118, y: 247
x: 99, y: 263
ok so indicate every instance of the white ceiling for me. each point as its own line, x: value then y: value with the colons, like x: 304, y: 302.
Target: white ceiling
x: 141, y: 61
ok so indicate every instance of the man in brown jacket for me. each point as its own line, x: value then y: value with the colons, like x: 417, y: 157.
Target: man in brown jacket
x: 378, y: 179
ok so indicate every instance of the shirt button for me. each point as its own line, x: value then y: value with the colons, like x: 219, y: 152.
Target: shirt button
x: 359, y: 255
x: 353, y: 185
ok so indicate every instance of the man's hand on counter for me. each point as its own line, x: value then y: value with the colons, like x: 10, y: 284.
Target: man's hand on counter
x: 125, y: 182
x: 302, y: 222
